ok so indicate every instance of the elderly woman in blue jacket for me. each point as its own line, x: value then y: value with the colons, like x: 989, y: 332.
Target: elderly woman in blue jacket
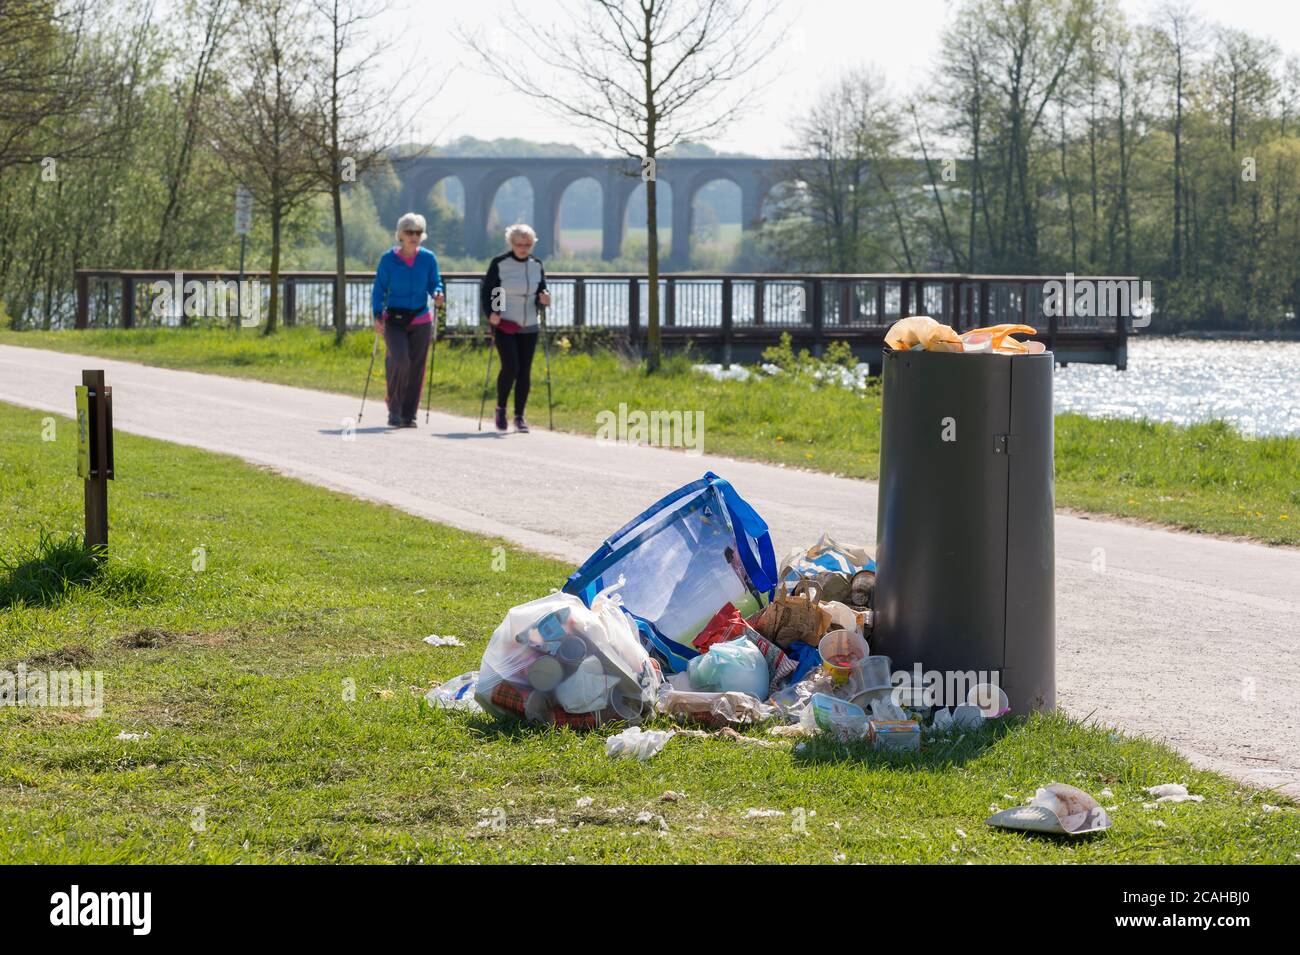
x: 405, y: 278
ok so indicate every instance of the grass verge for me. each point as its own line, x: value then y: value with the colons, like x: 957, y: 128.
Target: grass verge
x: 268, y: 655
x: 1205, y: 477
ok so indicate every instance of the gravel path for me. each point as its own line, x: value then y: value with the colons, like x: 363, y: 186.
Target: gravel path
x: 1189, y: 639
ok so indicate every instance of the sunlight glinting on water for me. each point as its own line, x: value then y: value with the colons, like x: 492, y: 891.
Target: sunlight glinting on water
x: 1255, y: 386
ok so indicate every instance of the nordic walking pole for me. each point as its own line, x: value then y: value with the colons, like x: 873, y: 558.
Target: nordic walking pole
x: 487, y: 374
x: 373, y: 349
x: 546, y: 351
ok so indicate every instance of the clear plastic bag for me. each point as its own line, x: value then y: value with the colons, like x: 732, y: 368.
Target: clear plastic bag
x: 554, y: 660
x: 712, y: 709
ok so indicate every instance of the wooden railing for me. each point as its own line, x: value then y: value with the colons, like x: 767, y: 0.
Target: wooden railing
x: 718, y: 311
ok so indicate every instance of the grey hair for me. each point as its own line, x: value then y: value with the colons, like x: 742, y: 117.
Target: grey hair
x: 411, y: 220
x: 519, y: 231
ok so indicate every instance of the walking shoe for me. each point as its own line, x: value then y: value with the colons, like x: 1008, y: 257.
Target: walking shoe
x: 501, y: 419
x: 394, y: 421
x: 409, y: 423
x: 520, y: 423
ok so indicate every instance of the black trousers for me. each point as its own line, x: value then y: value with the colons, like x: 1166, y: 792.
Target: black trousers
x: 516, y: 353
x: 405, y: 352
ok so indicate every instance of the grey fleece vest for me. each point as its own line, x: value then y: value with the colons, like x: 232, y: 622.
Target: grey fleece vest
x: 519, y: 281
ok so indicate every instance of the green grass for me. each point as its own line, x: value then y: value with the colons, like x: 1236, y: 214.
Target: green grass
x: 1205, y: 477
x: 238, y: 668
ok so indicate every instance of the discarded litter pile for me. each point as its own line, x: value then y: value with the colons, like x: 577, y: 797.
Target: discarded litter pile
x: 686, y: 613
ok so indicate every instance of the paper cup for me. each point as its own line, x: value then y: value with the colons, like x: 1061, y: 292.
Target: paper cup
x: 873, y: 673
x: 990, y: 699
x: 572, y: 651
x: 840, y: 651
x: 967, y: 717
x: 623, y: 708
x: 545, y: 673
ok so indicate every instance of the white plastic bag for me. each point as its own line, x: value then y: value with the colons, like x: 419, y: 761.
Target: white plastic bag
x: 637, y: 742
x: 456, y: 694
x: 712, y: 709
x: 554, y: 660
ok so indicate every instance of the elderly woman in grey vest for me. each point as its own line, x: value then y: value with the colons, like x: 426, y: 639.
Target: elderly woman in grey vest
x: 512, y: 291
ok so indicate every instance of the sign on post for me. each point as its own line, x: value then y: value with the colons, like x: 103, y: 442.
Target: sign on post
x: 95, y: 453
x: 83, y: 432
x: 243, y: 211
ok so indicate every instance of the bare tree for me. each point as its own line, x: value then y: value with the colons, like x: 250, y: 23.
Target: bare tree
x: 209, y: 22
x: 259, y: 129
x: 646, y: 75
x: 47, y: 74
x: 846, y: 136
x: 352, y: 126
x: 1180, y: 35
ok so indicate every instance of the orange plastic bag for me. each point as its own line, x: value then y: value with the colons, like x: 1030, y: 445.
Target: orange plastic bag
x: 923, y: 331
x: 1003, y: 343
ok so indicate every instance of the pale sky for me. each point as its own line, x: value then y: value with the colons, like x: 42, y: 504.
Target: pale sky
x: 899, y: 37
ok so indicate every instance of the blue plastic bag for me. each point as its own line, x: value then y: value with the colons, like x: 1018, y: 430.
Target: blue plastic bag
x: 683, y: 558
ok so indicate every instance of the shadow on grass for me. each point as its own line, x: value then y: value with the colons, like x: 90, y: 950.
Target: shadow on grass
x: 937, y: 752
x: 56, y: 568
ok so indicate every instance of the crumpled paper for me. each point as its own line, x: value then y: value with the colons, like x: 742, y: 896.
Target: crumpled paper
x: 634, y: 741
x: 434, y: 640
x: 1173, y: 792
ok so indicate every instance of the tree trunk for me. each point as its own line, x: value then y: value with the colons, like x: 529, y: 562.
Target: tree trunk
x: 340, y: 266
x: 1178, y: 167
x: 652, y: 276
x: 651, y: 199
x: 1069, y: 201
x: 273, y: 310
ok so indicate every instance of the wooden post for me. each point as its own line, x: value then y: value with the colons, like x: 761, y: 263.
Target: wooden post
x: 904, y: 306
x: 726, y: 322
x: 760, y: 301
x: 956, y: 306
x: 290, y: 301
x: 83, y: 300
x: 579, y: 302
x: 128, y: 301
x: 670, y: 300
x: 818, y: 314
x: 1121, y: 343
x: 880, y: 302
x: 984, y: 303
x: 95, y: 454
x: 633, y: 310
x: 1052, y: 330
x: 920, y: 297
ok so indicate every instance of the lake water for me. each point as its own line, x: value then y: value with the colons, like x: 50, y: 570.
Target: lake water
x: 1254, y: 386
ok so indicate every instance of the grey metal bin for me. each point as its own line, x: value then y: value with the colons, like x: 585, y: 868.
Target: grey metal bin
x: 964, y: 534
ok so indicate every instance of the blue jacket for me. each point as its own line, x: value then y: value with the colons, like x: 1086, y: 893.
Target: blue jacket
x: 406, y: 286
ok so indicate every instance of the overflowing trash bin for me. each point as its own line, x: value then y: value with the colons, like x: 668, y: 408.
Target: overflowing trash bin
x: 964, y: 532
x: 686, y: 614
